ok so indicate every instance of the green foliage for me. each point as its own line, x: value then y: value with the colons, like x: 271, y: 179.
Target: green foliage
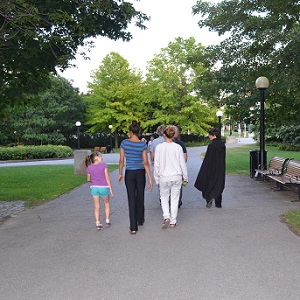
x: 288, y: 147
x: 169, y: 91
x: 287, y: 137
x: 261, y: 38
x: 50, y: 120
x: 34, y: 152
x: 290, y: 135
x: 38, y: 36
x: 114, y: 96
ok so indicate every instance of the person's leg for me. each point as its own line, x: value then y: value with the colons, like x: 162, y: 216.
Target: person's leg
x: 130, y: 182
x: 175, y: 193
x: 164, y: 188
x: 218, y: 201
x: 97, y: 212
x: 209, y: 202
x: 140, y: 196
x: 180, y: 197
x: 97, y: 208
x: 107, y: 210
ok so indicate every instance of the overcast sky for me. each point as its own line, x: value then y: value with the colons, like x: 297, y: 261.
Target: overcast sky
x: 169, y: 19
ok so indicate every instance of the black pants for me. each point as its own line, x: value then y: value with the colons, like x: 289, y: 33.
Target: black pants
x: 135, y: 182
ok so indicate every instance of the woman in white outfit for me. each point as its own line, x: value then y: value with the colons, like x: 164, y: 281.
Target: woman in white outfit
x: 169, y: 171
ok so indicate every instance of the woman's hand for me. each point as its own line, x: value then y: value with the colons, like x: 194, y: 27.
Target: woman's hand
x: 120, y: 178
x: 150, y: 185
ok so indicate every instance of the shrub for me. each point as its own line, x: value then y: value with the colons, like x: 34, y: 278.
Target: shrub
x: 35, y: 152
x: 289, y: 147
x: 287, y: 134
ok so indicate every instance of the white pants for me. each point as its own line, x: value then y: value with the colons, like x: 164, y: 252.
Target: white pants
x: 167, y: 189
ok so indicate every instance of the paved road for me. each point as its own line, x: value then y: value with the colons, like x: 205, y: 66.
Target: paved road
x: 242, y: 251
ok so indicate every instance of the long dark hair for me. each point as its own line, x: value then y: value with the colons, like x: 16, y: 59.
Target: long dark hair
x: 135, y: 128
x: 90, y: 159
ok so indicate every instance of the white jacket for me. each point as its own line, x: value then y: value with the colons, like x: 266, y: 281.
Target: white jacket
x: 169, y: 163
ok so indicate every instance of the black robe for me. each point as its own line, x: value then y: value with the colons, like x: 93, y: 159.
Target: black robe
x: 211, y: 177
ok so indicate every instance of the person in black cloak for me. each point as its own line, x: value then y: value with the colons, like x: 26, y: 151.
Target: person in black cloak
x: 211, y: 177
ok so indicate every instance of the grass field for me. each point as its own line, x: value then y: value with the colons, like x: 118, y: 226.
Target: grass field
x: 238, y: 158
x: 293, y: 219
x: 38, y: 184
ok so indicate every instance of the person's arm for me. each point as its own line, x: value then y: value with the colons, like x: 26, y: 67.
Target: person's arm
x: 184, y: 152
x: 185, y: 156
x: 108, y: 181
x: 121, y: 164
x: 152, y: 149
x: 88, y: 177
x: 147, y: 169
x: 183, y: 167
x: 152, y: 157
x: 156, y: 167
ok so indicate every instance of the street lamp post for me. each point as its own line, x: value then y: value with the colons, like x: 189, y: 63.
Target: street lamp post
x: 78, y: 124
x: 15, y: 139
x: 262, y: 83
x: 219, y: 115
x: 111, y: 149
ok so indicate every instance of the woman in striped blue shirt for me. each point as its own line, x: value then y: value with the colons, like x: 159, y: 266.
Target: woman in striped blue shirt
x: 137, y: 165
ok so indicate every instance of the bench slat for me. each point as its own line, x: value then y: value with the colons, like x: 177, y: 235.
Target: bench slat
x: 276, y: 166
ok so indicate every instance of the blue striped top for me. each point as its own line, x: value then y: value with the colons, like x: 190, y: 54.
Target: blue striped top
x: 134, y: 154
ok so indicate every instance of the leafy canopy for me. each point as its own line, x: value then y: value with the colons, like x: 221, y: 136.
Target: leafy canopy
x: 36, y: 36
x: 114, y: 95
x: 262, y: 38
x: 50, y: 120
x: 169, y: 94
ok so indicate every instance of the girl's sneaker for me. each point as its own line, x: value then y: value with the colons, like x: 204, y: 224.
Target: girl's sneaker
x: 107, y: 224
x: 99, y: 226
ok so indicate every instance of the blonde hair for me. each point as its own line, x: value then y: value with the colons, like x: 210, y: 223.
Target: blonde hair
x: 170, y: 131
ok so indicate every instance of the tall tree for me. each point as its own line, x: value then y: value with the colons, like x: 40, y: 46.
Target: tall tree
x: 114, y: 95
x: 36, y: 36
x: 262, y: 38
x: 169, y: 93
x: 50, y: 120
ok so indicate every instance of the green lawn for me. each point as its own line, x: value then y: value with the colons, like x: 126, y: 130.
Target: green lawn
x: 38, y: 184
x: 293, y: 219
x: 238, y: 158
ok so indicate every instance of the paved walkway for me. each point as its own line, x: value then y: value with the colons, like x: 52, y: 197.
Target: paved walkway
x: 242, y: 251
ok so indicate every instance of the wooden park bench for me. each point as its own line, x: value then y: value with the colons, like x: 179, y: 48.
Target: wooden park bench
x: 103, y: 150
x: 276, y: 167
x: 290, y: 178
x: 100, y: 149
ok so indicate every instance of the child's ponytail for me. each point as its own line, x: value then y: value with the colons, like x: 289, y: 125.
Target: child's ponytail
x: 88, y: 160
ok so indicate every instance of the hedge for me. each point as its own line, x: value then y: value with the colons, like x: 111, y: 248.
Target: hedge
x: 35, y: 152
